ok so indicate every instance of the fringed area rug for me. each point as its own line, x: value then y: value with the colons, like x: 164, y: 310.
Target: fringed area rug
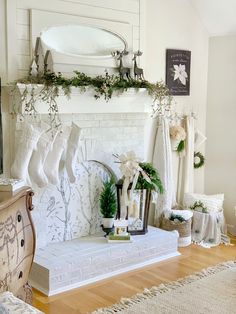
x: 213, y: 290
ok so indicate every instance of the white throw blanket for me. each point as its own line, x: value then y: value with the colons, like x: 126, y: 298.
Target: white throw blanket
x: 209, y: 229
x: 160, y: 154
x: 186, y: 167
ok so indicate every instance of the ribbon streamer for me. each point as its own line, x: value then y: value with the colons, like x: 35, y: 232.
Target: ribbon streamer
x: 130, y: 170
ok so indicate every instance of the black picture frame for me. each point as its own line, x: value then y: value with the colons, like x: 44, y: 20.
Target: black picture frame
x: 178, y: 64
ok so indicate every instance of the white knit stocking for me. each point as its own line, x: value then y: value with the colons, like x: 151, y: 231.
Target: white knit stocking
x: 36, y: 171
x: 51, y: 165
x: 28, y: 139
x: 72, y: 150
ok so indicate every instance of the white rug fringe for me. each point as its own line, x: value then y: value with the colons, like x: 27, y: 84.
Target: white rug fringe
x: 125, y: 303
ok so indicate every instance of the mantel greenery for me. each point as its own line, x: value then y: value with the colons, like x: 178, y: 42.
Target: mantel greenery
x: 103, y: 85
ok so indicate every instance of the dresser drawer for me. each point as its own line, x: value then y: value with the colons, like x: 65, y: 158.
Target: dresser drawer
x: 17, y: 241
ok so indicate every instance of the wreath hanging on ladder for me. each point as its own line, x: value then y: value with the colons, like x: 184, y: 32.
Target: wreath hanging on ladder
x: 199, y: 160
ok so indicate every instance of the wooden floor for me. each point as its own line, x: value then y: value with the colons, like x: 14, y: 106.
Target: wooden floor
x: 107, y: 292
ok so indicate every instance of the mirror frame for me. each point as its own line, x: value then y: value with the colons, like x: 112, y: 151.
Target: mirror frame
x: 83, y: 56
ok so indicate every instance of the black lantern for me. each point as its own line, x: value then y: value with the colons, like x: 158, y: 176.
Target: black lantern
x: 138, y: 212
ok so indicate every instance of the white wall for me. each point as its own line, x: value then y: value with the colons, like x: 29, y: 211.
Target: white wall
x: 221, y: 131
x: 175, y: 24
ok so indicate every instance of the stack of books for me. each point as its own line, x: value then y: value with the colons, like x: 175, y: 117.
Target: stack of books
x: 113, y: 238
x: 10, y: 185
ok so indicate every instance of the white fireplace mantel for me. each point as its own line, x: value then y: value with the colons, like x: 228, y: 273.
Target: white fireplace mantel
x: 132, y: 100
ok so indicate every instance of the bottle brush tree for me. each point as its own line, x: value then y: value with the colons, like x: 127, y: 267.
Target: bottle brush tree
x: 107, y: 199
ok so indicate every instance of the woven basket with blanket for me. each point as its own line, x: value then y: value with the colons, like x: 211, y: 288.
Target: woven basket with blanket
x: 183, y: 226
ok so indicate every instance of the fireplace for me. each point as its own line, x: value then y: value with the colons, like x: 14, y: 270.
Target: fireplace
x: 71, y: 250
x: 107, y: 127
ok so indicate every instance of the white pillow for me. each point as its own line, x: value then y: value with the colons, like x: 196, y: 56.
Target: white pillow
x: 214, y: 203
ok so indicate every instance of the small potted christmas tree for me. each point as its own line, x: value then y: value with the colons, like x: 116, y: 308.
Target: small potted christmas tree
x: 108, y: 203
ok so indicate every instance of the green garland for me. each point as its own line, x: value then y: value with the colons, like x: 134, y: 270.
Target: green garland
x: 201, y: 160
x: 103, y: 85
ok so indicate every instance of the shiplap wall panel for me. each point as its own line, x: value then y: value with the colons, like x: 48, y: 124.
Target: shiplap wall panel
x: 136, y: 45
x: 23, y: 47
x: 23, y: 32
x: 121, y: 5
x: 136, y: 32
x: 122, y: 11
x: 82, y: 10
x: 23, y: 62
x: 22, y: 73
x: 22, y: 17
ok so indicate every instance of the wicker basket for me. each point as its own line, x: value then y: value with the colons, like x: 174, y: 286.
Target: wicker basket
x: 184, y: 228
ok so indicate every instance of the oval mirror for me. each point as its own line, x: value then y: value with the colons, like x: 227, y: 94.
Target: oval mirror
x: 82, y: 41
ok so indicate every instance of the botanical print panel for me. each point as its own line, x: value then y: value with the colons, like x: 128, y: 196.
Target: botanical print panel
x: 69, y: 211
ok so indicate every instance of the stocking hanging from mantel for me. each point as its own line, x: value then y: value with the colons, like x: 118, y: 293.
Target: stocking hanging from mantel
x: 51, y: 165
x: 158, y: 151
x: 28, y: 135
x: 36, y: 165
x: 72, y: 151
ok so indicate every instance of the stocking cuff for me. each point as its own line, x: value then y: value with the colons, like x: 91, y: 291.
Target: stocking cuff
x: 30, y: 135
x: 63, y: 136
x: 46, y: 141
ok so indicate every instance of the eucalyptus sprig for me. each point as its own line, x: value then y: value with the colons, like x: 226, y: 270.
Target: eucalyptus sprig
x: 162, y: 98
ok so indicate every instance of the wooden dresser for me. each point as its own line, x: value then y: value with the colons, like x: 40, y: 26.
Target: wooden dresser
x: 17, y: 242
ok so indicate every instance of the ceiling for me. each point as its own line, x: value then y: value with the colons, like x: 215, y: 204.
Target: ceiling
x: 218, y: 16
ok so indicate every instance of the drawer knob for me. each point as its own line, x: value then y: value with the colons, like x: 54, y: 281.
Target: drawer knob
x: 22, y: 242
x: 19, y: 218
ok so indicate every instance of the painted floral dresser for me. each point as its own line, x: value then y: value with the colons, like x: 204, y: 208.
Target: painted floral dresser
x: 17, y: 242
